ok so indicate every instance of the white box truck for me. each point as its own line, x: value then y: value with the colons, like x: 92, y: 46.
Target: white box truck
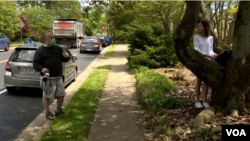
x: 68, y: 32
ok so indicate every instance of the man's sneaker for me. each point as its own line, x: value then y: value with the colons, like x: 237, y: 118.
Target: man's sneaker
x: 59, y: 113
x: 50, y: 116
x: 206, y: 105
x: 198, y: 105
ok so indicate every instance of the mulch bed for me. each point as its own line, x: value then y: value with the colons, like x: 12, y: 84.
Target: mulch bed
x: 179, y: 121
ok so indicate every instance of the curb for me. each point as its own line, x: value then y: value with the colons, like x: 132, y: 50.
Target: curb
x: 203, y: 117
x: 40, y: 124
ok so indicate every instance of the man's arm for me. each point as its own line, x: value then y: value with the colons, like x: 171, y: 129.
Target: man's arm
x: 37, y: 61
x: 65, y: 56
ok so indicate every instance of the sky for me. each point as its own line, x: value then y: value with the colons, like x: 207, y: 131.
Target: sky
x: 83, y: 3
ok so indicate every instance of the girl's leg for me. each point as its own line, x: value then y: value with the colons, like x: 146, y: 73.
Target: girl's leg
x: 205, y: 89
x: 197, y: 89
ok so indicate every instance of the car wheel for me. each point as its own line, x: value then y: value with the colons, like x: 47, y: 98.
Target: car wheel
x: 75, y: 75
x: 11, y: 89
x: 7, y: 47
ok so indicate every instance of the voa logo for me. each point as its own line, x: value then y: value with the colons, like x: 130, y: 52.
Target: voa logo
x: 236, y: 132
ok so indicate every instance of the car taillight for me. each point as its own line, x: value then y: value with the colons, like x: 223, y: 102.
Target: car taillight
x: 97, y: 43
x: 104, y: 40
x: 7, y: 66
x: 82, y: 42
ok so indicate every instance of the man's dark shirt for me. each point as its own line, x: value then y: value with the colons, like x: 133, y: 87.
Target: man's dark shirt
x: 50, y: 58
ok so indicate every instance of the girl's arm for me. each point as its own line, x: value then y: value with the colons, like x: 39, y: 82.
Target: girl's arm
x: 211, y: 56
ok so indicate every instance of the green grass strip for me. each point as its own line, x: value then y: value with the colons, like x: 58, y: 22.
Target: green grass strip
x: 80, y: 110
x: 111, y: 51
x: 15, y: 45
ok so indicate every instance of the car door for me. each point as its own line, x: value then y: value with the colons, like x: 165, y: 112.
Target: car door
x: 68, y: 70
x: 71, y: 65
x: 1, y: 41
x: 100, y: 44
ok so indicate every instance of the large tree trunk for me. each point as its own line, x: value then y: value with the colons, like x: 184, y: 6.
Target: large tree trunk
x: 230, y: 85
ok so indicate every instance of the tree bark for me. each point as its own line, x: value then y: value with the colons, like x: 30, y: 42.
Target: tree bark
x: 230, y: 85
x: 26, y: 2
x: 231, y: 29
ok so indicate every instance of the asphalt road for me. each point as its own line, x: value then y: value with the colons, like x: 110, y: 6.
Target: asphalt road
x: 18, y: 110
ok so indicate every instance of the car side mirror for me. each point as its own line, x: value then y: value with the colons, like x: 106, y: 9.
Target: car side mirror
x: 74, y: 57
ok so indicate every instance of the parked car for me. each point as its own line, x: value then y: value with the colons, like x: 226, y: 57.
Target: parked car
x: 19, y: 70
x: 90, y: 43
x: 4, y: 42
x: 104, y: 40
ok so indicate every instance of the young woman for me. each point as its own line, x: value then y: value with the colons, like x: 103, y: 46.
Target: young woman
x: 203, y: 42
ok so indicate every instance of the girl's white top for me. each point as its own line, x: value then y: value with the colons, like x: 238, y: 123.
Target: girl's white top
x: 204, y: 45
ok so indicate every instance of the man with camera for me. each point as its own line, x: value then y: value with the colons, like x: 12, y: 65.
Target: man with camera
x: 48, y: 61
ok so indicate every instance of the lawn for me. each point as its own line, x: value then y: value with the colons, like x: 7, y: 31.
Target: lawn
x: 80, y: 110
x: 111, y: 51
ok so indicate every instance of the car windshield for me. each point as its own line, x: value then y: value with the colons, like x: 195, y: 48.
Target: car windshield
x: 101, y: 37
x: 23, y: 56
x: 89, y: 39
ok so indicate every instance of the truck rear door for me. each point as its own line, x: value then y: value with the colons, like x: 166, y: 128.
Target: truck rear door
x: 64, y: 28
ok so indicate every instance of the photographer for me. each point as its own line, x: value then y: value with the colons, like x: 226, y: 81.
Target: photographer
x: 48, y: 61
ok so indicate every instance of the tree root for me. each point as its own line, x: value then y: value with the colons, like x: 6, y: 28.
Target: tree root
x: 234, y: 113
x: 203, y: 117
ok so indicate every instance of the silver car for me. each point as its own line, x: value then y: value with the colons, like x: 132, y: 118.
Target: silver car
x: 90, y: 43
x: 19, y: 70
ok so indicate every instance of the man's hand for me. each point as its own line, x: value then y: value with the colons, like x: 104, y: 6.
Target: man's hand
x: 65, y: 54
x: 45, y: 70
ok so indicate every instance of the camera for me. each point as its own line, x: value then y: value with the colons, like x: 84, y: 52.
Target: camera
x: 46, y: 76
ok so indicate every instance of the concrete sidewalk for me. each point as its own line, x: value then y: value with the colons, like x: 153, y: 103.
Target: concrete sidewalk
x: 118, y: 117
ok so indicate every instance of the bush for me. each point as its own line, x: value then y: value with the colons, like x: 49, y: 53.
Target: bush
x: 147, y: 49
x: 120, y: 38
x: 156, y: 89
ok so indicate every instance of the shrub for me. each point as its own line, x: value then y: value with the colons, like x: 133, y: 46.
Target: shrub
x: 147, y: 49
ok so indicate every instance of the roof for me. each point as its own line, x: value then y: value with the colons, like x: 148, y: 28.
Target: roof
x: 65, y: 20
x: 31, y: 46
x: 89, y: 37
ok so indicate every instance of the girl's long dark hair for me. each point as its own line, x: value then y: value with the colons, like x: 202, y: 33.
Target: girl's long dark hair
x: 206, y: 28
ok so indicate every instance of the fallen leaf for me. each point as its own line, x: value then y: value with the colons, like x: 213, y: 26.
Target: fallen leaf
x: 236, y: 123
x: 216, y: 137
x: 178, y: 130
x: 168, y: 131
x: 188, y: 130
x: 49, y: 133
x: 68, y: 136
x: 68, y: 131
x: 148, y: 131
